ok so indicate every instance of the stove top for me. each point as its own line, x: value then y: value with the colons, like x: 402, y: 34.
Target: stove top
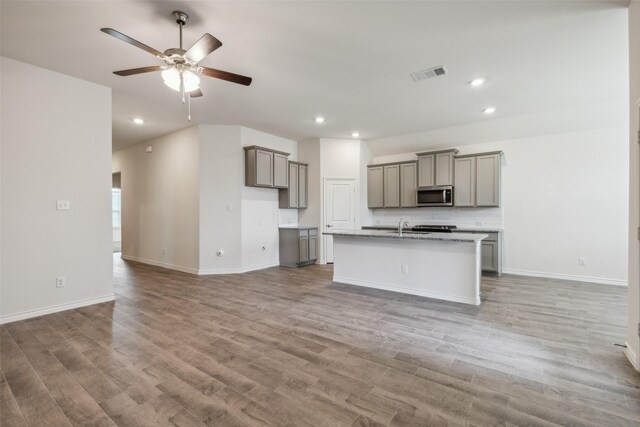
x: 429, y: 228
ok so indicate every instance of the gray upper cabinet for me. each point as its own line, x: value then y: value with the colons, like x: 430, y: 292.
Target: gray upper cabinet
x: 444, y: 168
x: 464, y: 187
x: 408, y: 184
x: 488, y: 180
x: 477, y: 180
x: 375, y: 187
x: 295, y: 195
x: 436, y: 168
x: 265, y: 167
x: 392, y: 186
x: 280, y: 170
x: 302, y: 186
x: 426, y: 171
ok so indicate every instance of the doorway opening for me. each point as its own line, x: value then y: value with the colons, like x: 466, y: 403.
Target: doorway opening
x: 116, y: 212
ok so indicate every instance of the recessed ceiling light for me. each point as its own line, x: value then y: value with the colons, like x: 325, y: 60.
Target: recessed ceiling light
x: 355, y: 134
x: 319, y: 119
x: 138, y: 121
x: 489, y: 110
x: 477, y: 82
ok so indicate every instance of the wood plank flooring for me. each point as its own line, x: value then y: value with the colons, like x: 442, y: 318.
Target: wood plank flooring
x: 287, y: 347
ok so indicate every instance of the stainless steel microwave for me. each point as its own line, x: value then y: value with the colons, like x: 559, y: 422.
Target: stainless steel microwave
x: 435, y: 196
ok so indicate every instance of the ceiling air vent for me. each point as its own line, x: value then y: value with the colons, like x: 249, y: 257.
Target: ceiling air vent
x: 427, y: 74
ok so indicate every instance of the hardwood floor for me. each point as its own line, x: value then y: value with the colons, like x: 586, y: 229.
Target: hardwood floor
x: 289, y: 347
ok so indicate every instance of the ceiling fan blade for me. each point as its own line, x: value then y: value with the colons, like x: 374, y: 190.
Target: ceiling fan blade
x: 132, y: 71
x: 203, y: 47
x: 225, y: 75
x: 195, y: 93
x: 136, y: 43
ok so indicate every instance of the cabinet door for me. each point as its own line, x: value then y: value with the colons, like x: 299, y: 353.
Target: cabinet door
x: 408, y: 184
x: 392, y: 186
x: 303, y: 249
x: 302, y: 186
x: 313, y: 248
x: 464, y: 182
x: 426, y: 171
x: 280, y: 170
x: 489, y: 257
x: 375, y: 187
x: 488, y: 180
x: 293, y: 185
x: 444, y: 169
x: 264, y: 168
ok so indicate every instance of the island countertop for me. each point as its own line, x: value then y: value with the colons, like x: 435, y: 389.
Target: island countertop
x: 409, y: 235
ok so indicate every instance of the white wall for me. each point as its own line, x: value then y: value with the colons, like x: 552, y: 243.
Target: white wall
x: 56, y: 144
x: 309, y: 152
x: 260, y: 212
x: 160, y: 200
x: 187, y: 199
x: 633, y: 342
x: 564, y: 196
x: 221, y: 174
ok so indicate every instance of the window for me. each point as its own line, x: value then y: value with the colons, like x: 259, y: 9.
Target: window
x: 115, y: 207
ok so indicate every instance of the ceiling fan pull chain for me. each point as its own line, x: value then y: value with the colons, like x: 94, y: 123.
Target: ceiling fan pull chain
x: 182, y: 86
x: 189, y: 108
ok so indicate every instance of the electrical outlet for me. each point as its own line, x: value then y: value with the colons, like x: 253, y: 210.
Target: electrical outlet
x: 405, y: 269
x: 61, y: 281
x: 63, y: 205
x: 164, y: 251
x: 478, y: 223
x: 582, y: 261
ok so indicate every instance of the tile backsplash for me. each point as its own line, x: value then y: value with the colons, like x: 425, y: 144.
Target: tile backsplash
x: 461, y: 217
x: 287, y: 217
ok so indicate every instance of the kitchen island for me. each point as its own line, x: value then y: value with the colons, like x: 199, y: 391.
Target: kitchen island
x: 445, y: 266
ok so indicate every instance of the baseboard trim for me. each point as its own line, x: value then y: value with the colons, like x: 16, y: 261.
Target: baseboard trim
x: 238, y: 270
x: 632, y: 357
x: 385, y: 287
x: 54, y: 309
x: 599, y: 280
x: 160, y: 264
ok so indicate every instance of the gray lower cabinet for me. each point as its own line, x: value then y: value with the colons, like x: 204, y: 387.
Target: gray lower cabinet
x: 491, y: 253
x: 476, y: 181
x: 295, y: 195
x: 298, y: 246
x: 265, y: 167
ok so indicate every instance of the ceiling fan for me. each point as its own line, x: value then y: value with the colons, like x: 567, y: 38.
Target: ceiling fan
x: 181, y: 69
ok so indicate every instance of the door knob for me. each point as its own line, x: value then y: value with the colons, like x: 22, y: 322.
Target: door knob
x: 329, y: 225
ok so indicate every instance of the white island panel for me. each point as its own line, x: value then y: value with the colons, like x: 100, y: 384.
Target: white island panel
x: 443, y: 269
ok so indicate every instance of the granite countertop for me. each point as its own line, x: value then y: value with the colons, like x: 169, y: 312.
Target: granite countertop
x: 296, y: 227
x: 408, y: 235
x: 457, y: 230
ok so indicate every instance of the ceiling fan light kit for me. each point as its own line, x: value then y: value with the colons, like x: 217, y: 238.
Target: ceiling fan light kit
x: 181, y: 70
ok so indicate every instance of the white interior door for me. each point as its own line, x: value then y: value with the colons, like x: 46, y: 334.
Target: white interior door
x: 339, y: 210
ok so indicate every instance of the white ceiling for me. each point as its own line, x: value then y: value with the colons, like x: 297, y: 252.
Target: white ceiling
x: 347, y: 61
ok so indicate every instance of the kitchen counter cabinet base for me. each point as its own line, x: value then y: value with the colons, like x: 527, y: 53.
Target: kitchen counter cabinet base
x: 443, y: 270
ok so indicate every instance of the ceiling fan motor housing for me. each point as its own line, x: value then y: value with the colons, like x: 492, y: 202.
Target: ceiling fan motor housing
x: 181, y: 17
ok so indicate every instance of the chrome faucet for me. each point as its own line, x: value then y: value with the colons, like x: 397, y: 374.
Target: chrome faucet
x: 401, y: 225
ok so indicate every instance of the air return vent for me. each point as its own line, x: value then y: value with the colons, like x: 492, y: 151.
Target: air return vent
x: 427, y: 74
